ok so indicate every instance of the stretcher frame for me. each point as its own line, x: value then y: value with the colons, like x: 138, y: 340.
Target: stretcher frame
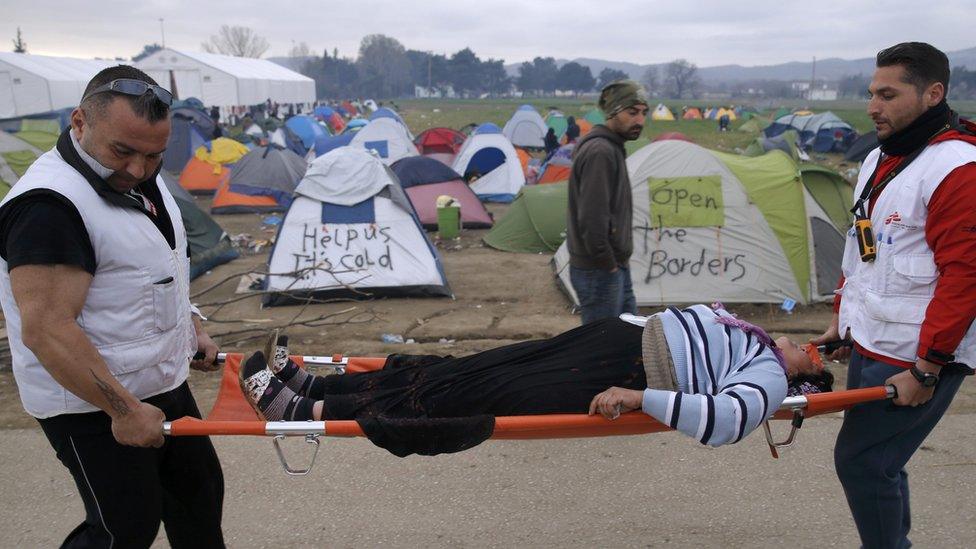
x: 528, y: 427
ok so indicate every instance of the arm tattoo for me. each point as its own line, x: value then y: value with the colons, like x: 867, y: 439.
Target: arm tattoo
x: 113, y: 398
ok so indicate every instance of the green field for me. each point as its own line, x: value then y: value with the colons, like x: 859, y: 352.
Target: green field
x: 421, y: 114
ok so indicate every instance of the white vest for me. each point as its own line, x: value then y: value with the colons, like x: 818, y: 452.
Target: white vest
x: 139, y: 324
x: 884, y: 301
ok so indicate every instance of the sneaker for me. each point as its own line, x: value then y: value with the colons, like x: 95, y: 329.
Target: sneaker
x: 255, y: 378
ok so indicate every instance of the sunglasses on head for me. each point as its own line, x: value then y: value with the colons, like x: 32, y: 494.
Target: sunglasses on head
x: 138, y: 88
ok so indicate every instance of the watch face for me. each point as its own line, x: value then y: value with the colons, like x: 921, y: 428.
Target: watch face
x: 930, y: 380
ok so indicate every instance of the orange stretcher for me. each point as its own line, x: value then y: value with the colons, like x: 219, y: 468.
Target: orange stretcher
x: 232, y: 415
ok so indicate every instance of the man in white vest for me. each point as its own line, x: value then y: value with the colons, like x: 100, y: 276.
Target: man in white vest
x: 908, y: 296
x: 95, y: 290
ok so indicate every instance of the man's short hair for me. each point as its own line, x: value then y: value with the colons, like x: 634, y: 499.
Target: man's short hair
x: 146, y: 106
x: 924, y: 64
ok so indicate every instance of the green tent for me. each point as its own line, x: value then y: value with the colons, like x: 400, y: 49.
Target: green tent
x: 785, y: 142
x: 15, y: 157
x: 831, y: 191
x: 595, y: 116
x: 40, y: 133
x: 557, y: 121
x: 782, y: 111
x: 535, y: 222
x: 752, y: 125
x: 715, y: 226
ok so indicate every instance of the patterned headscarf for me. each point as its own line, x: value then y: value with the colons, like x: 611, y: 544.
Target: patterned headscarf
x: 620, y: 95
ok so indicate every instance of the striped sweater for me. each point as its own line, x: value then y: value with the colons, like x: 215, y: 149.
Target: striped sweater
x: 728, y: 383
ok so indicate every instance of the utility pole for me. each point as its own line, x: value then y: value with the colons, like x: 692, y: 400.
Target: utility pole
x: 813, y: 75
x: 162, y: 32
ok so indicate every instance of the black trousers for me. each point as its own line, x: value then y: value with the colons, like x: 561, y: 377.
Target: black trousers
x: 127, y: 491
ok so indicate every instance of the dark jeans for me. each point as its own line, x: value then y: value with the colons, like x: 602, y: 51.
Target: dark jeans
x: 875, y: 442
x: 603, y: 294
x: 127, y: 491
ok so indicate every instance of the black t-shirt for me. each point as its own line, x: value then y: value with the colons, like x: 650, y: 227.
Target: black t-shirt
x: 42, y: 227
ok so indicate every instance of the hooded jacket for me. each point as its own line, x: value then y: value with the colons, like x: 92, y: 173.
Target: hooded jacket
x: 600, y: 217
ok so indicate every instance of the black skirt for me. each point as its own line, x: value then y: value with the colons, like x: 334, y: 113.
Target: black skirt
x: 429, y: 404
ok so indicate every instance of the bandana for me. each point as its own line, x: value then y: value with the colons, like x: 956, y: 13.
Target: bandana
x: 620, y: 95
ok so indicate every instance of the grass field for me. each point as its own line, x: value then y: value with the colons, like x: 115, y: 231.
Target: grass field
x: 421, y: 114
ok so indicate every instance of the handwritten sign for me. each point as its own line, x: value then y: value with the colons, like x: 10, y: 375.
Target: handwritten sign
x: 694, y: 201
x: 343, y: 249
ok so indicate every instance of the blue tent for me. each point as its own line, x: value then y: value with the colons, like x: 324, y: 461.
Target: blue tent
x: 420, y: 170
x: 326, y: 143
x: 355, y: 125
x: 190, y: 128
x: 384, y: 112
x: 306, y: 128
x: 822, y: 133
x: 324, y: 112
x: 487, y: 127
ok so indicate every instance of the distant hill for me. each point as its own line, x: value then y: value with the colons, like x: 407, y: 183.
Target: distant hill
x: 827, y: 69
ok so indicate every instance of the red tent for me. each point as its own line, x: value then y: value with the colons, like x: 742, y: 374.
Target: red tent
x: 673, y: 135
x: 439, y: 140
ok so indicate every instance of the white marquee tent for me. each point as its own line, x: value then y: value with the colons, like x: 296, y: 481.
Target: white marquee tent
x: 225, y: 81
x: 31, y: 84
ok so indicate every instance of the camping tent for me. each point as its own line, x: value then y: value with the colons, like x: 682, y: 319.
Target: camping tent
x: 262, y: 181
x: 536, y: 221
x: 692, y: 113
x: 330, y: 117
x: 388, y: 138
x: 823, y: 132
x: 661, y: 112
x: 861, y: 147
x: 786, y: 142
x: 673, y: 135
x: 31, y: 84
x: 712, y: 226
x: 526, y: 128
x: 210, y: 164
x: 439, y: 141
x: 425, y: 179
x: 716, y: 113
x: 489, y: 156
x: 189, y: 129
x: 351, y: 232
x: 595, y: 116
x: 15, y: 157
x: 557, y: 121
x: 209, y: 244
x: 558, y: 166
x: 384, y: 112
x: 307, y: 129
x: 355, y: 125
x: 225, y: 80
x: 753, y: 125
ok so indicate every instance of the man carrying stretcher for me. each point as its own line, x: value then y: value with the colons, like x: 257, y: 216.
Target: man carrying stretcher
x: 699, y: 370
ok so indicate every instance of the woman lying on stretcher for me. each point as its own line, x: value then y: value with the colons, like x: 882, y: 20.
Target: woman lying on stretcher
x: 699, y: 370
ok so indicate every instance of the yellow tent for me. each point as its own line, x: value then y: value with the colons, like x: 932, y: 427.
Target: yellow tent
x: 723, y: 110
x: 662, y: 113
x: 221, y: 151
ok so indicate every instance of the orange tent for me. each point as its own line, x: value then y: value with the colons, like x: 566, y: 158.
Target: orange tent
x: 200, y: 177
x: 692, y: 114
x: 227, y: 201
x: 555, y: 173
x: 523, y: 159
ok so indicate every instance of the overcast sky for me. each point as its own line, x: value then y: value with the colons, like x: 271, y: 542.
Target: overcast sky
x: 708, y: 32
